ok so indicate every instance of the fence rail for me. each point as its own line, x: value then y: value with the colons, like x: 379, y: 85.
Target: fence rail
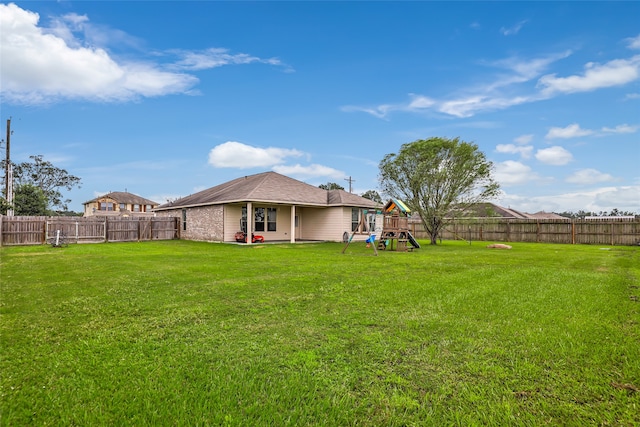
x: 30, y: 230
x: 621, y: 231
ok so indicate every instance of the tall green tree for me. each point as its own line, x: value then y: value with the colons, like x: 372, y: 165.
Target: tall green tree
x: 331, y: 186
x: 49, y: 178
x: 4, y: 206
x: 29, y: 200
x: 438, y: 178
x: 372, y: 195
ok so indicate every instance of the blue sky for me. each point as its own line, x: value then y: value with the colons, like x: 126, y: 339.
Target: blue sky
x: 164, y: 99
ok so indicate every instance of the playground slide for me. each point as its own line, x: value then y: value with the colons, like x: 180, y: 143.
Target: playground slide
x: 413, y: 241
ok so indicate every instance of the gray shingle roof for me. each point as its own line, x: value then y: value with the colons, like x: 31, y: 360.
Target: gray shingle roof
x: 125, y: 197
x: 269, y: 187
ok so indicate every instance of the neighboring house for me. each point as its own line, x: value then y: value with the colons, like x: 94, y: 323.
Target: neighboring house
x: 281, y: 209
x: 491, y: 210
x: 119, y: 203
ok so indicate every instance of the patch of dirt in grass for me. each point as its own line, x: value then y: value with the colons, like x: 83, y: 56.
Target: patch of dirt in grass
x: 629, y: 387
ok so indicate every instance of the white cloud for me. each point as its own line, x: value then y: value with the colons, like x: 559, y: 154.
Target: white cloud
x: 524, y: 139
x: 575, y: 131
x: 588, y: 177
x: 232, y: 154
x: 524, y: 151
x: 42, y: 65
x: 38, y: 67
x: 513, y: 173
x: 596, y: 76
x: 556, y: 156
x: 508, y: 89
x: 514, y: 29
x: 620, y: 129
x: 217, y: 57
x: 420, y: 102
x: 623, y: 198
x: 469, y: 106
x: 595, y: 199
x: 476, y: 99
x: 310, y: 171
x: 633, y: 42
x: 571, y: 131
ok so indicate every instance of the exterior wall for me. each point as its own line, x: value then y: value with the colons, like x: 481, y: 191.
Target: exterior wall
x: 220, y: 223
x: 93, y: 208
x: 327, y: 224
x: 204, y: 223
x: 233, y: 214
x: 232, y: 217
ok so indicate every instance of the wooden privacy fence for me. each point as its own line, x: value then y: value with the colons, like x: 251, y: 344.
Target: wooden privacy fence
x: 37, y: 230
x: 625, y: 231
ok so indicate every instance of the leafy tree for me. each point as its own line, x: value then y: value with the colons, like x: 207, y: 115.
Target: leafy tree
x: 438, y: 178
x: 331, y: 186
x: 49, y: 178
x: 4, y: 206
x: 30, y: 200
x: 372, y: 195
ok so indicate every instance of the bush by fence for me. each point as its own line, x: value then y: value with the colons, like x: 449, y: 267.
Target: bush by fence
x: 30, y: 230
x: 571, y: 231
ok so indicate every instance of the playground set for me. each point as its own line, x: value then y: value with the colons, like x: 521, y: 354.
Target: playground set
x: 395, y: 234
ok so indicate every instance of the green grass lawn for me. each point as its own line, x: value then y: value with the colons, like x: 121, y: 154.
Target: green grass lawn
x: 191, y: 333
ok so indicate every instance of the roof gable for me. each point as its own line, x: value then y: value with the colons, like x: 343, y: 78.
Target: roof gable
x: 124, y: 197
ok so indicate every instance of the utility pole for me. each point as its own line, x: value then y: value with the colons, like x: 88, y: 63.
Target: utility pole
x: 9, y: 171
x: 350, y: 180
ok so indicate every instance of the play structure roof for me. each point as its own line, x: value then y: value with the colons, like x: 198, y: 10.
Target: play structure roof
x: 395, y: 203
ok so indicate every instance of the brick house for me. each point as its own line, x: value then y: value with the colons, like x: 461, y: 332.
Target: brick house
x: 281, y: 209
x: 119, y: 203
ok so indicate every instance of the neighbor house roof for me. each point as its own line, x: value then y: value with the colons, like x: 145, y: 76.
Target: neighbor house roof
x: 124, y: 197
x: 269, y: 187
x: 491, y: 210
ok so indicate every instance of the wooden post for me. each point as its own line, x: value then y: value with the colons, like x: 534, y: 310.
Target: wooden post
x: 106, y: 226
x: 573, y: 232
x: 612, y: 233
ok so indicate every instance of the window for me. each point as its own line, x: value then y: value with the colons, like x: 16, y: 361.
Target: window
x: 243, y: 219
x: 355, y: 219
x: 371, y: 216
x: 148, y: 208
x: 106, y: 206
x: 136, y: 208
x: 122, y: 206
x: 271, y: 219
x: 184, y: 219
x: 259, y: 219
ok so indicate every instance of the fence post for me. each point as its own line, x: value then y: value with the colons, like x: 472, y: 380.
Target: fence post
x: 1, y: 233
x: 106, y: 226
x: 573, y: 232
x: 613, y: 225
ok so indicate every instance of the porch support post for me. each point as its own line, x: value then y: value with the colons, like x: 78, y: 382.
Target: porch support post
x: 293, y: 224
x: 249, y: 222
